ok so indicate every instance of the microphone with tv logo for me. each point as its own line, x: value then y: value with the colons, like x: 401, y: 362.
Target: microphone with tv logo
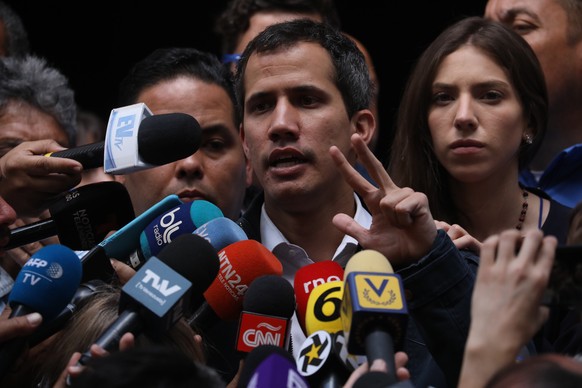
x: 268, y: 306
x: 121, y: 243
x: 136, y: 140
x: 221, y: 232
x: 182, y: 219
x: 158, y: 295
x: 269, y: 366
x: 80, y: 217
x: 373, y: 310
x: 45, y: 284
x: 310, y: 276
x: 240, y: 264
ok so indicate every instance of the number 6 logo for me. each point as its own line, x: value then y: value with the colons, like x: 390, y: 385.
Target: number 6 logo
x: 323, y: 308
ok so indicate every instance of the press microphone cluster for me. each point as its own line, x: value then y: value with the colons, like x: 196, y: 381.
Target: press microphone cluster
x: 350, y: 316
x: 121, y: 243
x: 136, y: 140
x: 360, y: 318
x: 240, y: 264
x: 160, y: 293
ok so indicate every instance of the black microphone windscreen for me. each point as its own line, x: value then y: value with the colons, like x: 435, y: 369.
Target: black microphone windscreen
x: 85, y: 215
x: 270, y: 295
x: 165, y: 138
x: 194, y: 258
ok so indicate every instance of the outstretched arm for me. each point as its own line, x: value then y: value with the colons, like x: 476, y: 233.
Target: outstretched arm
x: 505, y: 309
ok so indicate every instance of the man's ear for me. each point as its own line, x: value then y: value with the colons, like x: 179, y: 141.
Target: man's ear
x: 364, y: 124
x: 241, y: 132
x: 248, y: 167
x: 249, y: 172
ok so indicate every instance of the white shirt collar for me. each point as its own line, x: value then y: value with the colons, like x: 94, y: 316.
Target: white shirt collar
x: 271, y: 236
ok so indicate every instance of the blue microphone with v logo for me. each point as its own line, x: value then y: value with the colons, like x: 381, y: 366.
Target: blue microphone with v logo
x: 373, y: 310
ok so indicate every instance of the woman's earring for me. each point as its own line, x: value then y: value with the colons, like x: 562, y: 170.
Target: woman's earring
x: 527, y: 138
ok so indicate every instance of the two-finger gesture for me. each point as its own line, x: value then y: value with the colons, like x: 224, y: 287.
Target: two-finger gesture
x: 402, y: 226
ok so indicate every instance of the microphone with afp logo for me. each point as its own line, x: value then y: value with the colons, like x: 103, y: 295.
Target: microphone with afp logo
x: 373, y: 310
x: 159, y: 294
x: 45, y: 284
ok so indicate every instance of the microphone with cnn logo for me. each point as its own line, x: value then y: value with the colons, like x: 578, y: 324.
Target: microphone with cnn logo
x: 268, y: 306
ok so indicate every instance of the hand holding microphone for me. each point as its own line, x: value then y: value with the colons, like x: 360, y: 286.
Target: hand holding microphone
x: 45, y: 284
x: 18, y: 326
x: 80, y: 217
x: 30, y: 182
x: 137, y: 140
x: 84, y: 292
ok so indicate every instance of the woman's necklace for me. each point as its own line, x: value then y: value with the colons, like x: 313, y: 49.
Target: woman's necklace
x: 523, y: 211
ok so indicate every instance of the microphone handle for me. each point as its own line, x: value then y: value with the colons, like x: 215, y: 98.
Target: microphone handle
x: 52, y: 327
x: 97, y: 265
x: 9, y: 353
x: 380, y: 345
x: 203, y: 318
x: 89, y: 155
x: 332, y: 381
x: 30, y: 233
x: 128, y: 322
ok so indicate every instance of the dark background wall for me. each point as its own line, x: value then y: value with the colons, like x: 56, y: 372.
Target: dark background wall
x: 95, y: 43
